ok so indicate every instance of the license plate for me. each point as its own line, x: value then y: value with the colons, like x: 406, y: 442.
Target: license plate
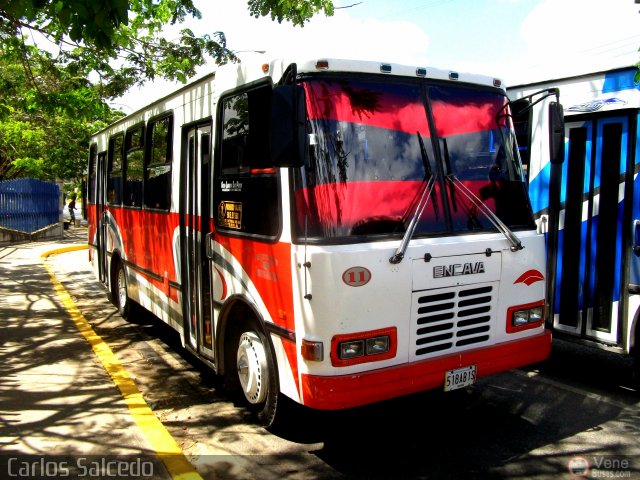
x: 459, y: 378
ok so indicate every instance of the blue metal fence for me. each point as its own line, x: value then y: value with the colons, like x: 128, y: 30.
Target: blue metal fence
x: 28, y: 205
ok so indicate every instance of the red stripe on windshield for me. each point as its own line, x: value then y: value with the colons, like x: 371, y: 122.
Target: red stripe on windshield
x: 393, y: 111
x: 456, y: 119
x: 348, y: 103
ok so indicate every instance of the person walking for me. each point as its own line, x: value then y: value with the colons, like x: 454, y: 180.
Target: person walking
x: 72, y: 211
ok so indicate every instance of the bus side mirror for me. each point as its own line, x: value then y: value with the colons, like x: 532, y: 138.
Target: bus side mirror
x: 288, y: 136
x: 556, y: 133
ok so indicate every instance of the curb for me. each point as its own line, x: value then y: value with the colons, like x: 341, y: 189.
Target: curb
x: 58, y: 251
x: 156, y: 434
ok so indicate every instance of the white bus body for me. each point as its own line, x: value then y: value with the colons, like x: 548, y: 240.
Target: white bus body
x: 338, y: 232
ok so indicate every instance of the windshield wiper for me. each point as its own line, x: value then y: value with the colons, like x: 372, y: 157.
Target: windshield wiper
x: 447, y: 164
x: 430, y: 180
x: 515, y: 242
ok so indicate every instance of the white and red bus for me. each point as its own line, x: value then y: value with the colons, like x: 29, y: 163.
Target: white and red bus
x: 336, y: 232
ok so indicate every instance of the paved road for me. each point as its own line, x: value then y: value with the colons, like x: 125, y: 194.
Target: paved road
x: 529, y: 423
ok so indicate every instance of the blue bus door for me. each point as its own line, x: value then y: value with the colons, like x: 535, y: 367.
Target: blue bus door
x: 591, y: 294
x: 634, y: 248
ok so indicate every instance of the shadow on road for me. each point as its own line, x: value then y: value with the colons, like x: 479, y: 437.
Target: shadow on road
x: 492, y: 429
x: 521, y: 424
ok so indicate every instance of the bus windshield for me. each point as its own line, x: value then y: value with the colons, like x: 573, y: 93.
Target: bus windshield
x: 375, y: 155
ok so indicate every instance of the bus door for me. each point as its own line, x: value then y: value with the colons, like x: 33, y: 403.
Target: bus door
x: 101, y: 223
x: 195, y: 188
x: 589, y: 294
x: 634, y: 250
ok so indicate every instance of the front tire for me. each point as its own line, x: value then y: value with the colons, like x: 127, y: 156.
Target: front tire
x: 256, y: 374
x: 636, y: 367
x: 119, y: 292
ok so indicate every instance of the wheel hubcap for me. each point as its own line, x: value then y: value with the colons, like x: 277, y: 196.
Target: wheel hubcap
x: 122, y: 288
x: 252, y: 368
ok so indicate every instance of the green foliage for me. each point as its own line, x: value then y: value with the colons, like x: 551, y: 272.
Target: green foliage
x: 45, y: 124
x: 297, y: 11
x: 48, y: 106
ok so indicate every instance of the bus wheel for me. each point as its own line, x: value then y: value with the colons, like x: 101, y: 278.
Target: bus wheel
x: 119, y: 292
x: 257, y: 375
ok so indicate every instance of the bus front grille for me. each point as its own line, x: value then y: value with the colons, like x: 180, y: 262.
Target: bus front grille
x: 452, y: 319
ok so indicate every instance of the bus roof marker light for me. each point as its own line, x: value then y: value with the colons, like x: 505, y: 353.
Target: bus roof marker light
x: 497, y: 82
x: 421, y: 72
x: 265, y: 68
x: 322, y: 64
x: 385, y: 68
x: 454, y: 76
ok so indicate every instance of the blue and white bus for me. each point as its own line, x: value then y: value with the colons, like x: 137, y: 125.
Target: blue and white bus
x: 595, y: 290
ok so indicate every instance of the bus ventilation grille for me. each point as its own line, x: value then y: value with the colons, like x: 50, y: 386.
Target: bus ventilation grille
x: 452, y: 318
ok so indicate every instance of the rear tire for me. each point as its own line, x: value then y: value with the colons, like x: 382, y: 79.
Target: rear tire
x: 255, y: 373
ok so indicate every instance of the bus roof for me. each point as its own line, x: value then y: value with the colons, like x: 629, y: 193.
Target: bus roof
x: 598, y: 91
x: 231, y: 76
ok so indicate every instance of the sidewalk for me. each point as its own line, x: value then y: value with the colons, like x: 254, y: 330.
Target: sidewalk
x: 56, y: 398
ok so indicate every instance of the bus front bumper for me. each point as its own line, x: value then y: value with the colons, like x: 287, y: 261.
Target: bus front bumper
x: 346, y: 391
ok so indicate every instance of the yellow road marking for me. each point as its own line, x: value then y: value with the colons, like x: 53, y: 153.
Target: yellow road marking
x: 153, y: 430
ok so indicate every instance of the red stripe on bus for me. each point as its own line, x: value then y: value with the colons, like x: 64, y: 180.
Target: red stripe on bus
x: 269, y: 268
x: 326, y: 101
x: 454, y: 119
x: 353, y: 390
x: 352, y: 202
x: 329, y: 101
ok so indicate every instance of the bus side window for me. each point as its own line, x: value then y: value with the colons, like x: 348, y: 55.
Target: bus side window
x: 157, y: 170
x: 235, y: 135
x: 522, y: 121
x: 114, y: 170
x: 134, y: 146
x: 91, y: 181
x: 246, y: 190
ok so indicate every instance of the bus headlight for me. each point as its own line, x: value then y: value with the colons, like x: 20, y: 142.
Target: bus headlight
x: 360, y: 347
x: 524, y: 317
x: 377, y: 345
x: 351, y: 349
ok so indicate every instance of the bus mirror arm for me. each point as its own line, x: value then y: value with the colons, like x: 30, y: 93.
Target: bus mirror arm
x: 556, y: 133
x: 556, y: 119
x: 525, y: 104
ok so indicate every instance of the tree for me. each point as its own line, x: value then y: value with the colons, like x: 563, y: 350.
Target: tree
x: 47, y: 114
x: 122, y: 40
x: 48, y: 106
